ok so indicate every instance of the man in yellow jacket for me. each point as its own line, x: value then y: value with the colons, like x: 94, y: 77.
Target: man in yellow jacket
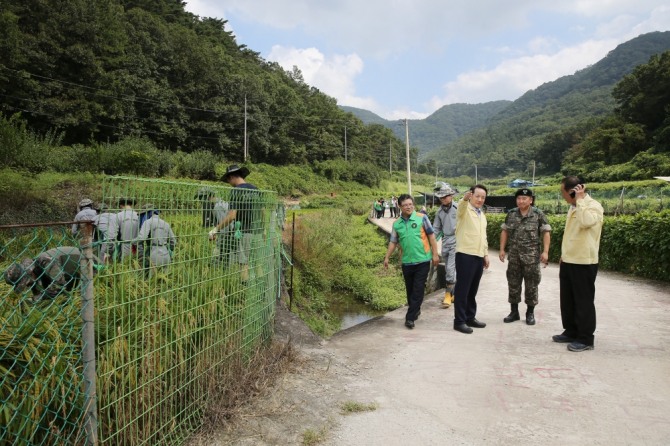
x: 472, y: 257
x: 579, y: 266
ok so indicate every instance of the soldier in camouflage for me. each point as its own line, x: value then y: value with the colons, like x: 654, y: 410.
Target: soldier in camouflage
x: 49, y: 275
x: 524, y: 226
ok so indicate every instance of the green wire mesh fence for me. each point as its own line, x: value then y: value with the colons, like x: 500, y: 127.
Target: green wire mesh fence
x: 179, y: 306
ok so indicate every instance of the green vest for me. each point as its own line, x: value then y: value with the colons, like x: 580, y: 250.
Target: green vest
x: 413, y: 239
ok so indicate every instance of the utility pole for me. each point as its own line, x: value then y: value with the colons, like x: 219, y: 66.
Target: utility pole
x: 409, y: 175
x: 390, y: 155
x: 533, y: 181
x: 345, y: 142
x: 246, y: 147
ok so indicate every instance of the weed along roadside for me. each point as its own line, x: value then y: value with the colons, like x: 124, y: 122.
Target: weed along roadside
x: 337, y: 269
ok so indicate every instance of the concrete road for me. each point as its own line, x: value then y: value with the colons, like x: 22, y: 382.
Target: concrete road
x: 509, y: 383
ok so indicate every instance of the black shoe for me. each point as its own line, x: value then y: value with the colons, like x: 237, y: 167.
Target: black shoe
x: 463, y: 328
x: 513, y: 316
x: 579, y: 347
x: 475, y: 323
x: 417, y: 315
x: 530, y: 318
x: 562, y: 339
x: 409, y: 324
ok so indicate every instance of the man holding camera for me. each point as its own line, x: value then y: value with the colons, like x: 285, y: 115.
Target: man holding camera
x: 579, y: 266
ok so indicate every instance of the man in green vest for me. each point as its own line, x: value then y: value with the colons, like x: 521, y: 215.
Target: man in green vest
x: 416, y: 237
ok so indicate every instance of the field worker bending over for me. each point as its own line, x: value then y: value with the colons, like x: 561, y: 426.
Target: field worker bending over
x: 49, y: 275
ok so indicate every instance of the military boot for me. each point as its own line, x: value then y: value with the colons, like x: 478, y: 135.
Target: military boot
x: 514, y: 315
x: 530, y: 315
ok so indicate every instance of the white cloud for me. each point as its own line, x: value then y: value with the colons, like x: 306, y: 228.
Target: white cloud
x: 377, y: 27
x: 341, y: 35
x: 333, y: 75
x: 513, y: 77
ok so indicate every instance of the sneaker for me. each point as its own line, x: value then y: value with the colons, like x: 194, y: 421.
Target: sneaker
x: 409, y: 324
x: 577, y: 346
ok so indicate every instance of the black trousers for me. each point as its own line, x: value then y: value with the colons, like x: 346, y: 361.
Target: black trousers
x: 578, y: 292
x: 415, y: 284
x: 469, y: 270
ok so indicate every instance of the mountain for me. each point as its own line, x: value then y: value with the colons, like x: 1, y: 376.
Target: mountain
x: 504, y: 136
x: 566, y: 108
x: 445, y: 125
x: 367, y: 116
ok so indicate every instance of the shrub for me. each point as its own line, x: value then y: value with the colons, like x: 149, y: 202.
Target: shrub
x: 23, y: 149
x: 199, y: 165
x: 137, y: 156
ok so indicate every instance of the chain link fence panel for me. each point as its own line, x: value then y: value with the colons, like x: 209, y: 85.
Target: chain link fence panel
x: 179, y: 307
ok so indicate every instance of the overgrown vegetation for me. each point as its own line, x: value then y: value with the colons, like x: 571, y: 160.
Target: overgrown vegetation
x: 337, y: 251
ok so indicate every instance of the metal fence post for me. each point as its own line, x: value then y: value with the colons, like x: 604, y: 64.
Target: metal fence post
x: 88, y: 334
x: 290, y: 294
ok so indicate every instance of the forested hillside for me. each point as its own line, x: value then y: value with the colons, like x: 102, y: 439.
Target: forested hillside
x: 544, y: 124
x: 445, y: 125
x: 87, y: 72
x: 89, y: 80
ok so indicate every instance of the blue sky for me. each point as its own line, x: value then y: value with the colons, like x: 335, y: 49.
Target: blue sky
x: 406, y: 59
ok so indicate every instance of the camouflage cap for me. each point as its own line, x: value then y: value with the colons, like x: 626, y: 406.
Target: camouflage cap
x: 444, y: 191
x: 85, y: 202
x: 19, y: 275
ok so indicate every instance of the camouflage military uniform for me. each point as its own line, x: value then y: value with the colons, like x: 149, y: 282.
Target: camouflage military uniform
x: 524, y: 244
x: 50, y: 274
